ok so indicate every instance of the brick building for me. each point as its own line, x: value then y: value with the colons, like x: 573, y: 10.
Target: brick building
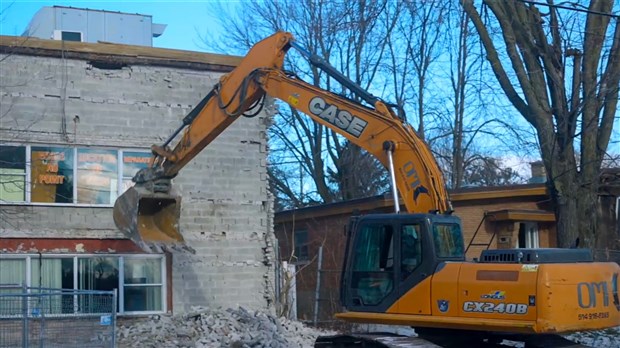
x: 77, y: 121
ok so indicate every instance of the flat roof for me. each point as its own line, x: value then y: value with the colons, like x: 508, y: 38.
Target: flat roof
x: 92, y: 9
x: 118, y: 54
x: 386, y: 201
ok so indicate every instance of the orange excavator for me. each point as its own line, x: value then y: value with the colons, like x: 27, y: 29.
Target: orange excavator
x: 401, y: 268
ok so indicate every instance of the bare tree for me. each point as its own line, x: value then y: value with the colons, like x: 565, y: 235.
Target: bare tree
x: 489, y: 171
x: 351, y: 35
x: 565, y: 84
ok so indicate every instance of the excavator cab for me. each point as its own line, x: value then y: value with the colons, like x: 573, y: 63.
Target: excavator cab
x: 389, y: 254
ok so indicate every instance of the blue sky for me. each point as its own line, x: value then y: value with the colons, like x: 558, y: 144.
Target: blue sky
x: 185, y: 19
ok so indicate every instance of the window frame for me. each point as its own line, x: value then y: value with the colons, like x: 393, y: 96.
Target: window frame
x: 59, y: 35
x: 120, y: 153
x: 30, y: 258
x: 306, y: 246
x: 27, y: 175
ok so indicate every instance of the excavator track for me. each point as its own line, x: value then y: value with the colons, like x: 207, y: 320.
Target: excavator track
x: 389, y: 340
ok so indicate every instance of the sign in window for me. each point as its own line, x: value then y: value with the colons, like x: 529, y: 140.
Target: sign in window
x: 52, y: 174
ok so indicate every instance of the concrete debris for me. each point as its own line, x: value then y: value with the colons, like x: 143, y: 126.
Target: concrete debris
x: 609, y: 338
x: 205, y: 327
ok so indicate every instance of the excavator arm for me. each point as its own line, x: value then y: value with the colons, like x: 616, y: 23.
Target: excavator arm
x: 148, y: 213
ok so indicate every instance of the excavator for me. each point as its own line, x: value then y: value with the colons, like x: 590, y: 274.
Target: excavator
x: 403, y: 268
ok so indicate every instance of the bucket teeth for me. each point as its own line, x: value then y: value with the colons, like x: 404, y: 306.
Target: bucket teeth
x: 160, y: 248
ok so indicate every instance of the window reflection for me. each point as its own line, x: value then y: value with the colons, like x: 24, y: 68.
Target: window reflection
x: 410, y: 249
x: 12, y: 173
x: 142, y: 291
x: 448, y: 240
x: 373, y: 265
x: 97, y: 174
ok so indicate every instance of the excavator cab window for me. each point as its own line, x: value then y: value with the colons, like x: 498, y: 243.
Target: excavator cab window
x: 372, y: 277
x: 410, y: 249
x: 387, y: 255
x: 448, y: 240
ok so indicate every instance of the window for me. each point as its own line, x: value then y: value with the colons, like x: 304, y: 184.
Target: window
x: 12, y: 272
x: 97, y: 176
x: 132, y: 163
x: 448, y: 240
x: 140, y: 279
x: 56, y: 273
x: 71, y: 36
x: 52, y: 174
x: 66, y: 175
x: 410, y: 249
x: 373, y: 264
x: 12, y: 173
x: 143, y: 285
x: 67, y: 35
x: 528, y: 235
x: 301, y: 245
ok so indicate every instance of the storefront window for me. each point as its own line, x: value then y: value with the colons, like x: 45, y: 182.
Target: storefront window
x: 98, y: 273
x: 12, y: 173
x: 132, y: 162
x: 141, y: 282
x: 143, y: 285
x: 97, y: 176
x: 13, y: 273
x: 52, y: 174
x: 54, y: 273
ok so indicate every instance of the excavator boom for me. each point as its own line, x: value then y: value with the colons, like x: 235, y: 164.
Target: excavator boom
x: 149, y: 212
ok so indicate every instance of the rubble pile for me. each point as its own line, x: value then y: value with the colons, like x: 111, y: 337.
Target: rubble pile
x: 206, y: 327
x: 609, y: 338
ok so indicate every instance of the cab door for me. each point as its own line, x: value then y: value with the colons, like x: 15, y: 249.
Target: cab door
x: 370, y: 275
x: 417, y: 263
x: 386, y: 258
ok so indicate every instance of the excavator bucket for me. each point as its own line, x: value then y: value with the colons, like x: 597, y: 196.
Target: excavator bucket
x: 149, y: 219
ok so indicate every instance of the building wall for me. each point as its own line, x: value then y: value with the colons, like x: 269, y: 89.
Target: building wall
x: 226, y: 210
x: 472, y: 213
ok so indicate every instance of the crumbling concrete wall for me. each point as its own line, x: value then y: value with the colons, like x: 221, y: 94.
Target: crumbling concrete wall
x: 226, y: 211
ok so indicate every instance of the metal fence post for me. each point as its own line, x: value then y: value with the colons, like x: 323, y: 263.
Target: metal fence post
x: 114, y: 297
x: 317, y: 292
x: 25, y: 319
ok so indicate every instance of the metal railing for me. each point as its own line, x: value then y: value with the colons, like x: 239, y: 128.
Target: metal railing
x: 57, y: 318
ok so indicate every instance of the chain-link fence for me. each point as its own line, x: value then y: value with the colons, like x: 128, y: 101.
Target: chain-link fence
x: 56, y: 318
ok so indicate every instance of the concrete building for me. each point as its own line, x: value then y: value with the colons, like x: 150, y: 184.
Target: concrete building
x: 77, y: 121
x: 87, y: 25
